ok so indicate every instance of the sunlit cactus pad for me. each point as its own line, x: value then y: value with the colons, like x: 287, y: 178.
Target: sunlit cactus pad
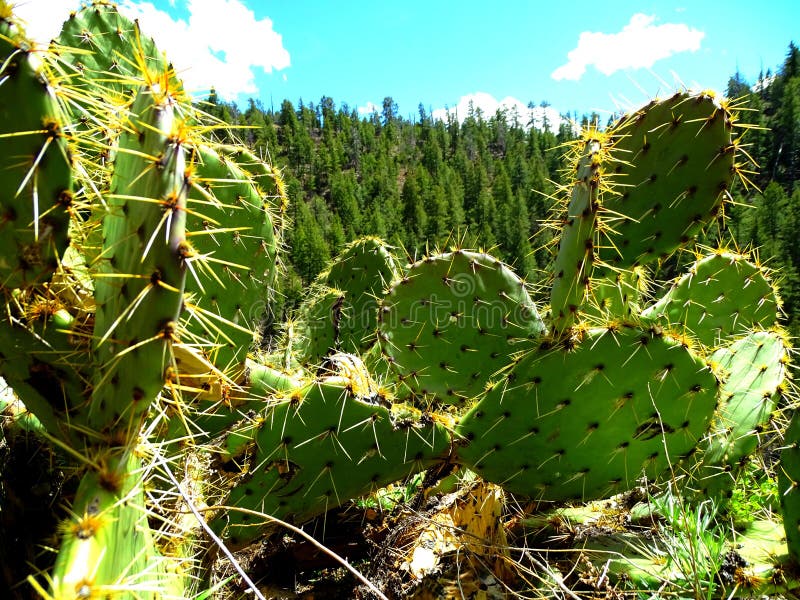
x: 674, y: 166
x: 588, y: 421
x: 452, y: 321
x: 361, y: 271
x: 721, y: 295
x: 753, y: 371
x: 321, y: 445
x: 36, y: 178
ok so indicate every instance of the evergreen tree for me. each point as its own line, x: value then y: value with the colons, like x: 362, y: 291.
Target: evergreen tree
x: 309, y: 250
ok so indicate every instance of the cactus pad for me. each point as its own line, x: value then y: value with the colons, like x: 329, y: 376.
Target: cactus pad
x: 452, y: 321
x: 318, y: 324
x: 722, y: 295
x: 361, y: 271
x: 752, y: 371
x: 320, y: 446
x: 587, y: 422
x: 36, y: 179
x: 674, y: 166
x: 108, y: 49
x: 574, y: 261
x: 229, y: 226
x: 108, y: 543
x: 139, y: 287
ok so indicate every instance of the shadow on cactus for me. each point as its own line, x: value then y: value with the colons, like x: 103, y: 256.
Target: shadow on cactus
x: 140, y: 259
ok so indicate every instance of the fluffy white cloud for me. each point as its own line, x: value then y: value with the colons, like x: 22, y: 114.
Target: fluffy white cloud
x: 639, y: 44
x: 514, y: 108
x: 368, y: 109
x: 42, y: 18
x: 220, y: 44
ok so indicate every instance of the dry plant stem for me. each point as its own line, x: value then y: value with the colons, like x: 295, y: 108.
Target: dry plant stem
x: 290, y: 527
x: 307, y: 537
x: 207, y: 529
x: 556, y: 578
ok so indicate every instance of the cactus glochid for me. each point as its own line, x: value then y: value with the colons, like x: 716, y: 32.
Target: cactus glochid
x: 139, y: 259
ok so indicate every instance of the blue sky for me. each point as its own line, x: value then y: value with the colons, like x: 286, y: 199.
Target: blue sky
x: 571, y: 54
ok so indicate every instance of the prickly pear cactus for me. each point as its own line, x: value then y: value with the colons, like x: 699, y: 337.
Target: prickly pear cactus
x: 673, y: 167
x: 36, y: 188
x: 362, y: 271
x: 233, y: 248
x: 753, y: 374
x: 139, y: 287
x: 110, y: 54
x: 451, y: 321
x: 108, y: 542
x: 320, y: 444
x: 722, y: 294
x: 317, y: 329
x: 145, y: 328
x: 576, y: 253
x: 585, y: 420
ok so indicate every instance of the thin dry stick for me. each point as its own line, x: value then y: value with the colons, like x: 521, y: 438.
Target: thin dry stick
x: 308, y: 537
x: 208, y: 530
x: 289, y: 526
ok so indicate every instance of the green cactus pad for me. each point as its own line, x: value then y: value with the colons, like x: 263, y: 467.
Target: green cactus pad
x: 139, y: 284
x: 317, y: 325
x: 789, y: 485
x: 319, y: 447
x: 107, y: 543
x: 452, y: 321
x: 616, y: 294
x: 573, y: 265
x: 108, y: 50
x: 271, y: 187
x: 230, y: 228
x: 722, y: 295
x: 362, y: 271
x: 36, y: 179
x: 269, y: 180
x: 674, y: 166
x: 587, y: 422
x: 40, y: 361
x: 752, y: 371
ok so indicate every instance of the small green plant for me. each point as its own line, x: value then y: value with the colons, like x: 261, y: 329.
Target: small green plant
x: 755, y: 494
x: 692, y: 542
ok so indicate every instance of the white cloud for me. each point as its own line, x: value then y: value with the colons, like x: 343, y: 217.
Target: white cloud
x: 43, y: 18
x: 220, y: 45
x: 369, y: 109
x: 488, y: 106
x: 639, y: 44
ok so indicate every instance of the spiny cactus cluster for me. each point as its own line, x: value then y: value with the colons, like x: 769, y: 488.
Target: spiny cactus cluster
x: 138, y: 257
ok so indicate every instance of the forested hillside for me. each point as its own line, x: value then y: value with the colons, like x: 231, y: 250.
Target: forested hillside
x: 488, y: 180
